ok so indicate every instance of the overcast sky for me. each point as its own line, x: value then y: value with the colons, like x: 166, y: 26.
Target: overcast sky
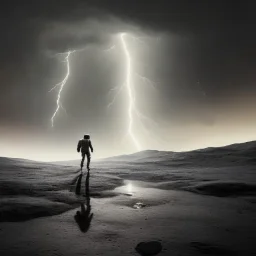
x: 200, y: 57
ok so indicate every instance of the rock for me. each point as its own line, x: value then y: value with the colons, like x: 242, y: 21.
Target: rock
x: 149, y: 248
x: 139, y: 205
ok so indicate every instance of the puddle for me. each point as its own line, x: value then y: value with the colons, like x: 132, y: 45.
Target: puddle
x: 131, y: 188
x: 138, y: 195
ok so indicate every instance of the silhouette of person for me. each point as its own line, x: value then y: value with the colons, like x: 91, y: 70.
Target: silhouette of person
x: 84, y: 217
x: 85, y: 145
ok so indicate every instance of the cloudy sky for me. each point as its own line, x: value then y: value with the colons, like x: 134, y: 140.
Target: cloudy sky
x: 192, y: 75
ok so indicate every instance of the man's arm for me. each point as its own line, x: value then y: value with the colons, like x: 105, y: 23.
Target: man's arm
x: 90, y: 145
x: 79, y: 146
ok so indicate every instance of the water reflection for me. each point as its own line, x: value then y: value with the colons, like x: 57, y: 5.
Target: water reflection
x: 84, y: 217
x: 129, y: 187
x: 78, y: 184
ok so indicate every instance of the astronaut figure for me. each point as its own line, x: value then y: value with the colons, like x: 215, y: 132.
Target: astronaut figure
x: 84, y: 145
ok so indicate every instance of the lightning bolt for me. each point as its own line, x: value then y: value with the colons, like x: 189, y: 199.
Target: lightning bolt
x: 110, y: 48
x: 147, y: 81
x: 130, y: 94
x: 61, y: 86
x: 64, y: 81
x: 132, y: 111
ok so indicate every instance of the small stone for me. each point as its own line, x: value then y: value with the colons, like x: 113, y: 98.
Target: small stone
x: 139, y: 205
x: 149, y: 248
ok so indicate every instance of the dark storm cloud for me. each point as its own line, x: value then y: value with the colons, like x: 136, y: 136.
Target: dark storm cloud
x: 223, y: 31
x: 200, y: 16
x: 223, y: 34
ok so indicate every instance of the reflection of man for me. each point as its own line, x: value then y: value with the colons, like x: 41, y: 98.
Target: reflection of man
x: 85, y: 145
x: 87, y: 188
x: 84, y: 217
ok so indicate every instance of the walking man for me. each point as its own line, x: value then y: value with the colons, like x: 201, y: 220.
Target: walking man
x: 84, y: 145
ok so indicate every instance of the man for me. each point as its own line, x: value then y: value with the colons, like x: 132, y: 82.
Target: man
x: 85, y: 145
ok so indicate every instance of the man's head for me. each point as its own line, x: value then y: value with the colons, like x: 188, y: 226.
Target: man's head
x: 87, y: 136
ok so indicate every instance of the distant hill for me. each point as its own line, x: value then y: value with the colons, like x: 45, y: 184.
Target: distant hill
x: 239, y: 153
x: 250, y: 145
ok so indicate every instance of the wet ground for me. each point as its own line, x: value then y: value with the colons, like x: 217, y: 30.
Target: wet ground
x: 185, y: 223
x: 190, y: 211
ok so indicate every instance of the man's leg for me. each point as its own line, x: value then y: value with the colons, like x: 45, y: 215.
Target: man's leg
x: 82, y: 162
x: 88, y: 160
